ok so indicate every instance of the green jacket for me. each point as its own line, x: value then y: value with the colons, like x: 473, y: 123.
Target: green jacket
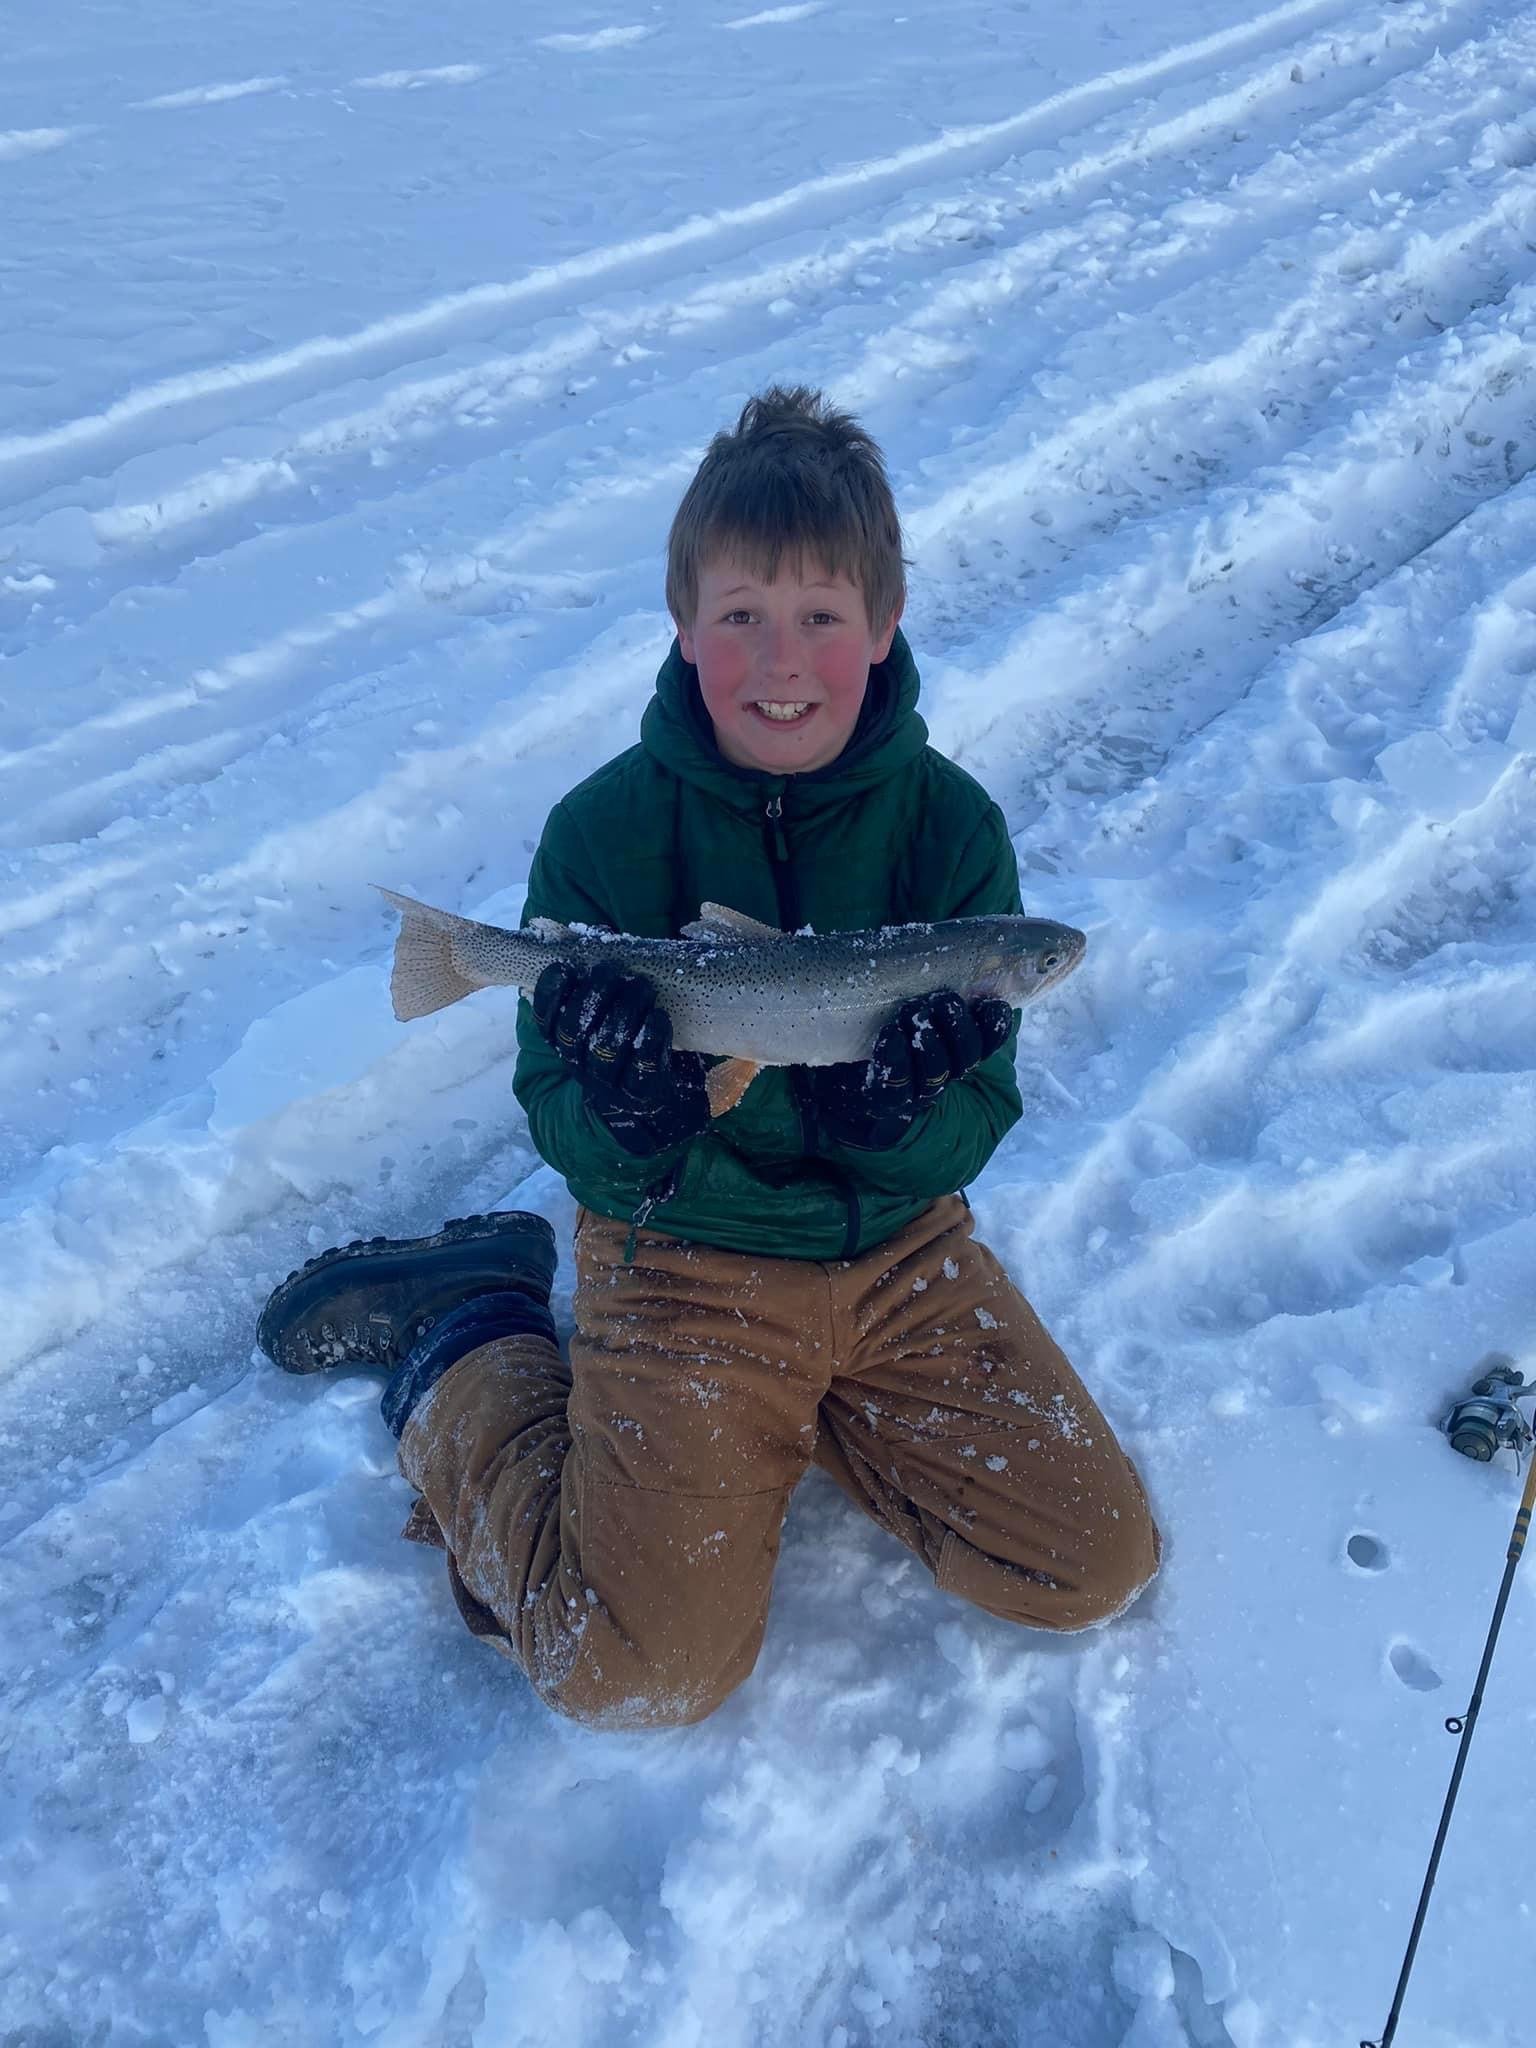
x: 889, y: 833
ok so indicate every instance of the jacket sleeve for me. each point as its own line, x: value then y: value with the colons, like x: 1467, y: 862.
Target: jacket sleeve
x: 949, y: 1144
x: 566, y: 1134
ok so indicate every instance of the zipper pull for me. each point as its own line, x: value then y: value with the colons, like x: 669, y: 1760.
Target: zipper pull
x: 773, y: 811
x: 658, y: 1192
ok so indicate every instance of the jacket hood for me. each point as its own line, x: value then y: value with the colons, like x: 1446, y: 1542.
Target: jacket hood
x: 676, y: 731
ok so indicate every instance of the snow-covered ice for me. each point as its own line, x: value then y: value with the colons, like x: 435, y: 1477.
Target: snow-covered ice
x: 353, y: 361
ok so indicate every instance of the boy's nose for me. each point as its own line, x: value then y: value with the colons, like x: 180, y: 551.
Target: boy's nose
x: 783, y: 652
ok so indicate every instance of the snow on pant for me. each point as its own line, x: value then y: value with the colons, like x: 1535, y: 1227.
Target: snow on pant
x: 613, y: 1523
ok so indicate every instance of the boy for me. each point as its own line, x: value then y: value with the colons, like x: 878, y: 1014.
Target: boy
x: 797, y: 1280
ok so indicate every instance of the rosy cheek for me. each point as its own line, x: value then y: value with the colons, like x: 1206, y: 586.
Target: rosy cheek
x: 844, y: 676
x: 850, y: 660
x: 722, y: 669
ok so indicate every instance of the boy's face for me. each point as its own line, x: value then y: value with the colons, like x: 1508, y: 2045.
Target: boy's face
x: 783, y: 666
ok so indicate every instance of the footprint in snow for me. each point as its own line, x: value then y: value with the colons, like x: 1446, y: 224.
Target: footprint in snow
x: 1414, y: 1668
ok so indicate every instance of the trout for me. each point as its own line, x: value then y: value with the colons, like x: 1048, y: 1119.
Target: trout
x: 744, y: 992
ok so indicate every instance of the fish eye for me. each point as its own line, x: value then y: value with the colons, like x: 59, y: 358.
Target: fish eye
x: 1051, y: 960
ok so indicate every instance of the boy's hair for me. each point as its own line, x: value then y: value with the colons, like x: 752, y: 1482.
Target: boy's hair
x: 795, y: 477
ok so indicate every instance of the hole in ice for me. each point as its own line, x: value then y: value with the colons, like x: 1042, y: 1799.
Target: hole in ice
x: 1369, y: 1552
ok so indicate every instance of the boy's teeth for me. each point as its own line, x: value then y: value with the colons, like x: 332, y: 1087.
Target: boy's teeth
x: 780, y: 710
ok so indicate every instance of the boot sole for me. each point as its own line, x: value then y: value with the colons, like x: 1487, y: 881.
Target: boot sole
x: 283, y: 1305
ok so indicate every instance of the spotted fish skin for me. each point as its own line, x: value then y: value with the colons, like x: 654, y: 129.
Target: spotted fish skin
x: 738, y: 989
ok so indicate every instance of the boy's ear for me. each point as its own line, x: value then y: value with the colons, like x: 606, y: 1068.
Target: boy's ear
x: 882, y: 646
x: 685, y: 641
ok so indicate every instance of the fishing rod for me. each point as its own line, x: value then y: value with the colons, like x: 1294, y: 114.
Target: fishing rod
x: 1485, y: 1422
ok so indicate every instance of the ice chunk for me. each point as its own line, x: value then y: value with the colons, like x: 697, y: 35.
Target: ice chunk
x: 1024, y: 1749
x: 146, y: 1718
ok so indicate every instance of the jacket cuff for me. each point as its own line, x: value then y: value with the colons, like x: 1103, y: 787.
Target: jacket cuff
x: 649, y: 1162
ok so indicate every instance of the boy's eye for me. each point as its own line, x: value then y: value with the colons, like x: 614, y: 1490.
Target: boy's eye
x: 742, y: 617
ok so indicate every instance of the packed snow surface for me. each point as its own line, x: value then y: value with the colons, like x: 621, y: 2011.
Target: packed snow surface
x: 354, y: 359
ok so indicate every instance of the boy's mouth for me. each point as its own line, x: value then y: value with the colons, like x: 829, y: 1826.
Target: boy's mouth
x: 781, y: 710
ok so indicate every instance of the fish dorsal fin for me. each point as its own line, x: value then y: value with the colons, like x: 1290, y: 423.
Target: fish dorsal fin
x: 715, y: 921
x: 549, y: 929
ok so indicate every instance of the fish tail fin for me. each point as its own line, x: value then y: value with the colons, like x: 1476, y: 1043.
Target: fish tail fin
x: 426, y: 975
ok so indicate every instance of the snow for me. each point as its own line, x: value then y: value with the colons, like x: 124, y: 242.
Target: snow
x: 364, y: 359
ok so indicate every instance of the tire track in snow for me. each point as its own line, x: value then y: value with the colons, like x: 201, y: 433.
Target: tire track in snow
x: 1345, y: 306
x: 1478, y: 385
x: 444, y: 419
x: 177, y: 713
x: 205, y: 903
x: 1269, y: 599
x: 1117, y: 460
x: 1390, y: 975
x: 36, y: 462
x: 176, y: 946
x: 1453, y: 425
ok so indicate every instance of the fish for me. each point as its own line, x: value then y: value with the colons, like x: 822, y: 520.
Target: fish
x: 745, y: 993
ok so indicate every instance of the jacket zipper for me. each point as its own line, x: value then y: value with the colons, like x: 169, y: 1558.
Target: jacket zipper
x: 776, y: 839
x: 659, y: 1191
x: 663, y: 1189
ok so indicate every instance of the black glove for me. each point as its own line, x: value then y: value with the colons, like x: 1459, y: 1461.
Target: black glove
x: 931, y: 1041
x: 609, y: 1029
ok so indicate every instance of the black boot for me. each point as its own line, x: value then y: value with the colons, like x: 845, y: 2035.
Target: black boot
x: 369, y: 1302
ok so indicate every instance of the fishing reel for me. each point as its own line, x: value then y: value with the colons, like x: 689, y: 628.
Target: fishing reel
x: 1486, y: 1420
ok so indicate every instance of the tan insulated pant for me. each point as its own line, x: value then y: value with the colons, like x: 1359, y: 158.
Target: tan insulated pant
x: 613, y: 1524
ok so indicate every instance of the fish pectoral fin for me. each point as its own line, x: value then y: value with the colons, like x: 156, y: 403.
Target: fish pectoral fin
x: 715, y: 921
x: 726, y: 1083
x: 550, y: 929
